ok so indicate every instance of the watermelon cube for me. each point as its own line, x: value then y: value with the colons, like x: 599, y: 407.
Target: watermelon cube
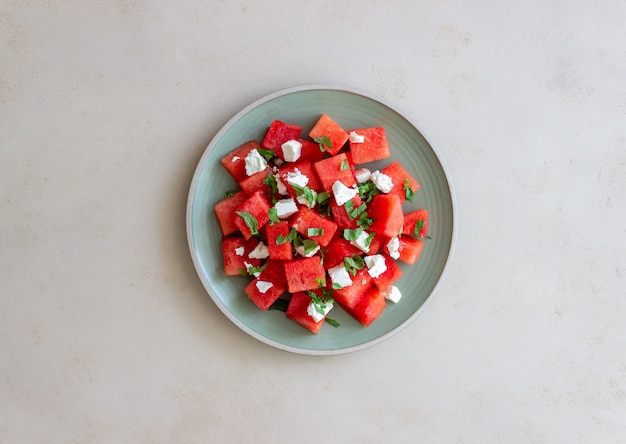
x: 326, y: 127
x: 235, y: 161
x: 235, y: 251
x: 304, y: 274
x: 306, y: 169
x: 392, y: 274
x: 410, y: 249
x: 342, y: 217
x: 284, y: 251
x: 416, y: 223
x: 254, y: 183
x: 332, y: 169
x: 252, y: 214
x: 263, y: 293
x: 374, y: 146
x: 279, y: 133
x: 401, y: 180
x: 337, y: 250
x: 348, y: 297
x: 225, y: 212
x: 387, y: 215
x: 297, y: 312
x: 310, y: 224
x: 369, y: 307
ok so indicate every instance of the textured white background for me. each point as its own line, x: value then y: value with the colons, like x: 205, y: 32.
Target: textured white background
x: 107, y: 335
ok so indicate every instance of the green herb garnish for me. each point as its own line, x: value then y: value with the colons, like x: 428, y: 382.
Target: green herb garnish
x: 314, y: 232
x: 344, y: 165
x: 323, y: 203
x: 267, y: 154
x: 309, y: 246
x: 324, y: 143
x: 272, y: 184
x: 306, y: 192
x: 332, y: 322
x: 353, y: 263
x: 367, y: 190
x: 250, y: 221
x: 280, y: 305
x: 352, y: 234
x: 408, y: 191
x: 230, y: 193
x: 280, y: 239
x: 273, y: 215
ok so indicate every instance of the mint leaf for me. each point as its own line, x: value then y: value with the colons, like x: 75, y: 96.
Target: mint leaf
x: 280, y: 239
x: 344, y: 165
x: 267, y: 154
x: 408, y: 192
x: 324, y: 143
x: 332, y: 322
x: 309, y: 245
x: 250, y: 221
x: 280, y: 305
x: 273, y: 215
x: 230, y: 193
x: 272, y: 184
x: 314, y: 232
x: 352, y: 234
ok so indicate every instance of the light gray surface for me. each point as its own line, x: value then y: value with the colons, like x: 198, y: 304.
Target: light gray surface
x: 106, y: 333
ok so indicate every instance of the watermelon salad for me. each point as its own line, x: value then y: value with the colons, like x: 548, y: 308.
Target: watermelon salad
x: 313, y: 228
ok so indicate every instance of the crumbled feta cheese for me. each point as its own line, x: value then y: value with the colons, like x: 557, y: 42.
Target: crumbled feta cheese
x: 392, y: 293
x: 263, y: 286
x: 316, y: 315
x: 249, y: 266
x: 255, y: 162
x: 339, y: 276
x: 356, y: 138
x: 382, y: 181
x: 311, y: 253
x: 280, y: 186
x: 361, y: 242
x: 393, y: 247
x: 260, y: 252
x: 239, y: 251
x: 295, y: 177
x: 342, y: 193
x: 235, y: 159
x: 362, y: 175
x: 285, y: 208
x: 304, y: 201
x: 375, y: 265
x: 292, y: 150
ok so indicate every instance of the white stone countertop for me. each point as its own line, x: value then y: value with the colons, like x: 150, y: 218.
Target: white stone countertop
x: 106, y: 332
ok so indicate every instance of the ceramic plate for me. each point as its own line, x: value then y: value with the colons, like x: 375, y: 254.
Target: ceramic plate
x: 351, y: 109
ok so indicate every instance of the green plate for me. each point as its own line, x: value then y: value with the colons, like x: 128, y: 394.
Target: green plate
x: 351, y: 109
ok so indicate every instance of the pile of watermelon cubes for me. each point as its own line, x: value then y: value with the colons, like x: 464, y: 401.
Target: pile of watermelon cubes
x: 313, y: 228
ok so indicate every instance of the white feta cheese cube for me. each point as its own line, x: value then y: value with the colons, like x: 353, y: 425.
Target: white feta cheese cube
x: 382, y: 181
x: 285, y: 208
x: 356, y: 138
x: 239, y: 251
x: 362, y: 175
x: 292, y: 150
x: 263, y: 286
x: 375, y: 265
x: 235, y: 159
x: 280, y: 186
x: 342, y: 193
x: 260, y: 252
x: 311, y: 253
x: 339, y: 276
x: 315, y: 314
x: 295, y: 177
x: 393, y: 247
x: 392, y: 293
x: 361, y: 242
x: 255, y: 163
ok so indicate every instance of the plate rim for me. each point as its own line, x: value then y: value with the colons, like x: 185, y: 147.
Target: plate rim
x: 192, y: 192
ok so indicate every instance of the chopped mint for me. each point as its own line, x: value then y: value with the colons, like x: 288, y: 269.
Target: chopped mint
x: 408, y: 191
x: 250, y: 221
x: 267, y: 154
x: 324, y: 142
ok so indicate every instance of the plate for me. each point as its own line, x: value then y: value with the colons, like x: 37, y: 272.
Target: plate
x: 351, y: 109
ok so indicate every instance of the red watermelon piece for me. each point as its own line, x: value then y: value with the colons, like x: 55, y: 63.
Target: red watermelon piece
x: 392, y: 274
x: 369, y: 307
x: 225, y: 212
x: 256, y: 206
x: 416, y: 223
x: 399, y: 177
x: 337, y: 250
x: 327, y: 127
x: 279, y: 133
x: 297, y: 312
x: 235, y: 161
x: 254, y: 183
x: 374, y: 147
x: 332, y: 169
x: 386, y: 211
x: 304, y: 274
x: 348, y: 297
x: 306, y: 219
x: 410, y: 249
x: 284, y: 251
x: 234, y: 263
